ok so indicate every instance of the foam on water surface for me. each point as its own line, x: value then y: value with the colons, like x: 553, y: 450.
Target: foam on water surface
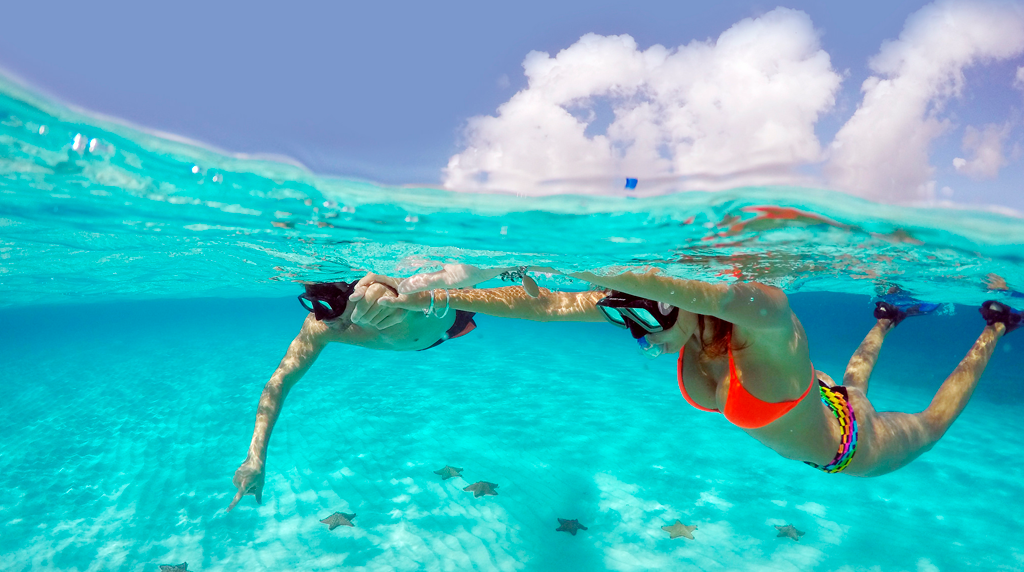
x: 92, y: 209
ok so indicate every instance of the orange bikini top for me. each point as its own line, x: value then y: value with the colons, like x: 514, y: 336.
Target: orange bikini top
x: 741, y: 408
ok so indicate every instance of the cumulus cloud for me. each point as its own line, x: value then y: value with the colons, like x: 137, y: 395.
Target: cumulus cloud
x: 985, y: 149
x: 740, y: 109
x: 882, y: 151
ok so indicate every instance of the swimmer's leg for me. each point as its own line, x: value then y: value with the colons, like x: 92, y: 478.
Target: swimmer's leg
x: 858, y: 371
x: 893, y: 439
x: 956, y: 391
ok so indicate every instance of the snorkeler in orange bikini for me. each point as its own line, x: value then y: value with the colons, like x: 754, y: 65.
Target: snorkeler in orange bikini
x: 747, y: 357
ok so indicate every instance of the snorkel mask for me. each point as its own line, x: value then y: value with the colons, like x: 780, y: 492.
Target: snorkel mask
x: 326, y: 301
x: 639, y: 315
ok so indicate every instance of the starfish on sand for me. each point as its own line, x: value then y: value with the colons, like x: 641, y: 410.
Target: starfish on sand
x: 679, y: 529
x: 790, y: 531
x: 338, y: 519
x: 183, y: 567
x: 570, y: 526
x: 481, y: 488
x: 448, y: 472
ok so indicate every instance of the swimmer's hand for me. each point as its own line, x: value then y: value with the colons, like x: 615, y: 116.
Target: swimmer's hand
x: 367, y: 293
x: 994, y: 281
x: 249, y: 481
x: 459, y: 276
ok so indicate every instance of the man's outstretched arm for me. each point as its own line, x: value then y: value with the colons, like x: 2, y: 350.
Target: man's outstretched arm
x: 302, y: 352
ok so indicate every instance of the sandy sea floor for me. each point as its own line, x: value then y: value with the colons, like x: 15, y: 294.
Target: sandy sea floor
x: 125, y: 422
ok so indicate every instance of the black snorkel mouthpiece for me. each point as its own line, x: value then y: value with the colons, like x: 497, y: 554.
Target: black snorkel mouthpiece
x: 326, y: 300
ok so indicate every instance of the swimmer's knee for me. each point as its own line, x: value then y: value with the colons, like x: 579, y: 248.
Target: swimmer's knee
x: 927, y: 445
x: 936, y: 429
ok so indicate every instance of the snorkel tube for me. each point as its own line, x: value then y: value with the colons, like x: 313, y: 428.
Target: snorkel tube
x: 648, y: 349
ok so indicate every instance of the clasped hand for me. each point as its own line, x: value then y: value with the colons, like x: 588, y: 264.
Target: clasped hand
x: 367, y: 311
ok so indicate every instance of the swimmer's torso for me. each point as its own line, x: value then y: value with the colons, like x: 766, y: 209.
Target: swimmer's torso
x: 774, y: 366
x: 415, y: 332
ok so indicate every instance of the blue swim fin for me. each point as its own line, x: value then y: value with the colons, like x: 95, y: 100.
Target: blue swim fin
x: 896, y: 313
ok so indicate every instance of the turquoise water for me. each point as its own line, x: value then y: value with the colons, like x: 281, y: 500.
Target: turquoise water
x: 147, y: 293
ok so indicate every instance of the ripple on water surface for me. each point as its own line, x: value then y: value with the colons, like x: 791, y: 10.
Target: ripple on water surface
x: 92, y: 209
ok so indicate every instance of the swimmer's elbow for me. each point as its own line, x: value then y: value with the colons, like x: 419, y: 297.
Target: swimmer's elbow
x: 756, y: 305
x: 574, y: 307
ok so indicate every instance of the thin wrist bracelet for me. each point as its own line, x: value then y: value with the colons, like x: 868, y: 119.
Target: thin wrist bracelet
x: 513, y: 275
x: 447, y: 301
x: 431, y: 308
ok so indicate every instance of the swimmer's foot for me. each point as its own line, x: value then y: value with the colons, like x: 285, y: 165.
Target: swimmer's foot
x: 995, y: 312
x: 896, y: 313
x: 886, y: 311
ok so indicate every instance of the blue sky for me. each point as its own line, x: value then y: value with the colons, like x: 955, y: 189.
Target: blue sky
x: 386, y: 91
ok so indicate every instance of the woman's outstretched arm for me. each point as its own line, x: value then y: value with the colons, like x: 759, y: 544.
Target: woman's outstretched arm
x: 508, y: 302
x: 750, y: 305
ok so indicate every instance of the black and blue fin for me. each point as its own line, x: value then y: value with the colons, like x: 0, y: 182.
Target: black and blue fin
x: 996, y: 312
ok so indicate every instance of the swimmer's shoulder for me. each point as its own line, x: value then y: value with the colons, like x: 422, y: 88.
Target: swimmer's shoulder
x: 319, y: 332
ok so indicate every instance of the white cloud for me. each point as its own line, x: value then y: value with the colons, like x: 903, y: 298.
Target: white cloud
x: 882, y: 151
x: 985, y: 148
x: 741, y: 109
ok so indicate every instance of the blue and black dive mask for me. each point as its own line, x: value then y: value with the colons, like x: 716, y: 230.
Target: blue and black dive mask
x: 326, y: 301
x: 639, y: 315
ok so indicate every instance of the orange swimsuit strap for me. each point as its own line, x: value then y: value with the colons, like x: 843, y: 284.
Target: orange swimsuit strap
x: 682, y: 385
x: 741, y: 407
